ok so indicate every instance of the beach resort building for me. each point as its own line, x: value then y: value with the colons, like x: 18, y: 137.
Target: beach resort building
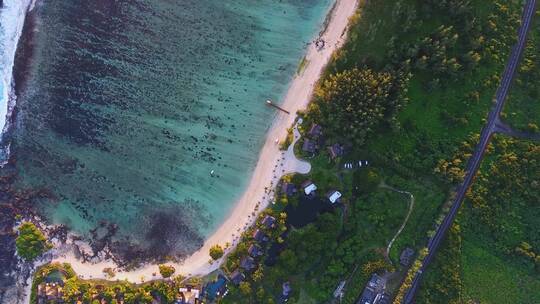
x: 50, y: 292
x: 309, y: 187
x: 237, y: 277
x: 288, y: 189
x: 247, y: 263
x: 216, y: 289
x: 315, y: 131
x: 333, y: 196
x: 189, y: 295
x: 336, y: 150
x: 269, y: 221
x: 406, y: 257
x: 254, y: 251
x: 309, y: 146
x: 259, y: 236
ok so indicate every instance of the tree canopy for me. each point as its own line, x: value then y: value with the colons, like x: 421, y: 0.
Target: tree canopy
x: 31, y: 242
x: 216, y: 252
x: 166, y: 270
x: 354, y: 102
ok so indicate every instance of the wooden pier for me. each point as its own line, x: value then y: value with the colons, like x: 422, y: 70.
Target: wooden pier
x: 270, y: 103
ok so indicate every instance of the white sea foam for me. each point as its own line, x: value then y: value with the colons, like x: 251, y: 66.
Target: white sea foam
x: 12, y: 17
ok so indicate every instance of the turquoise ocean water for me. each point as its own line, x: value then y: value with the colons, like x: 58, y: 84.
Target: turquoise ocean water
x: 128, y: 105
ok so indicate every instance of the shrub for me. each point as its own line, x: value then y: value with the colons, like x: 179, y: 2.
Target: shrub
x: 216, y: 252
x: 31, y: 242
x: 166, y: 271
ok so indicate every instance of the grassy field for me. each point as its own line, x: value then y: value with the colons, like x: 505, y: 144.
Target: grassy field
x: 523, y: 106
x: 490, y: 278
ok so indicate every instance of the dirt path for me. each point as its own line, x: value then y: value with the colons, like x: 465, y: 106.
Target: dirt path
x: 411, y: 207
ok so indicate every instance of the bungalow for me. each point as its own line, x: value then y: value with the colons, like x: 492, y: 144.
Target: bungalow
x: 269, y: 221
x: 333, y: 196
x: 406, y: 257
x: 50, y: 292
x: 315, y: 131
x: 247, y: 263
x: 288, y: 189
x: 254, y: 251
x: 309, y: 146
x: 336, y: 150
x: 237, y: 277
x: 217, y: 288
x: 189, y: 295
x: 259, y: 236
x: 309, y: 187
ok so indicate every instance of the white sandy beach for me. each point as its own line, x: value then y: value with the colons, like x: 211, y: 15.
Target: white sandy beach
x: 272, y: 164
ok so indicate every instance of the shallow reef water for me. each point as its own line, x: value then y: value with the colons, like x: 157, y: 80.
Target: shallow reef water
x: 127, y: 106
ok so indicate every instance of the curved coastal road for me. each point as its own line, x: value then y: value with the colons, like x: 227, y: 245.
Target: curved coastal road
x: 474, y: 162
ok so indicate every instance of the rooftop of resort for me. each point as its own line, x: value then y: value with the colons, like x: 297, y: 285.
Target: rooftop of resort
x: 336, y: 150
x: 50, y: 292
x: 309, y: 146
x: 333, y: 196
x: 217, y: 288
x: 309, y: 187
x: 237, y: 277
x: 254, y: 251
x: 247, y: 263
x: 269, y: 221
x: 289, y: 189
x: 259, y: 236
x: 189, y: 295
x: 406, y: 256
x: 315, y: 130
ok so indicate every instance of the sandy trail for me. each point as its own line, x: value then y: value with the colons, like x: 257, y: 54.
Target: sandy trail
x: 272, y: 164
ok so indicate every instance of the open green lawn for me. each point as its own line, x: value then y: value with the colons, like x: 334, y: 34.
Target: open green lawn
x: 489, y: 278
x: 523, y: 105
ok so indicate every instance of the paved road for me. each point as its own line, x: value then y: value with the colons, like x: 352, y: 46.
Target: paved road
x: 474, y: 162
x: 503, y: 128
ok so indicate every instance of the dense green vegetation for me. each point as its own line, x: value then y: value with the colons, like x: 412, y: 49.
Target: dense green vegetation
x: 405, y: 90
x: 353, y: 102
x: 522, y: 111
x: 30, y: 242
x: 166, y: 271
x: 496, y: 259
x: 96, y: 291
x: 216, y: 252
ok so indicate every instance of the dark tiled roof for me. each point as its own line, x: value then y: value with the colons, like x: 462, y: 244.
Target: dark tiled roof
x: 254, y: 250
x: 216, y: 288
x: 288, y: 189
x: 406, y: 256
x: 259, y: 236
x: 335, y: 150
x: 247, y: 263
x: 306, y: 183
x: 316, y: 130
x: 309, y: 146
x: 269, y: 221
x: 237, y: 277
